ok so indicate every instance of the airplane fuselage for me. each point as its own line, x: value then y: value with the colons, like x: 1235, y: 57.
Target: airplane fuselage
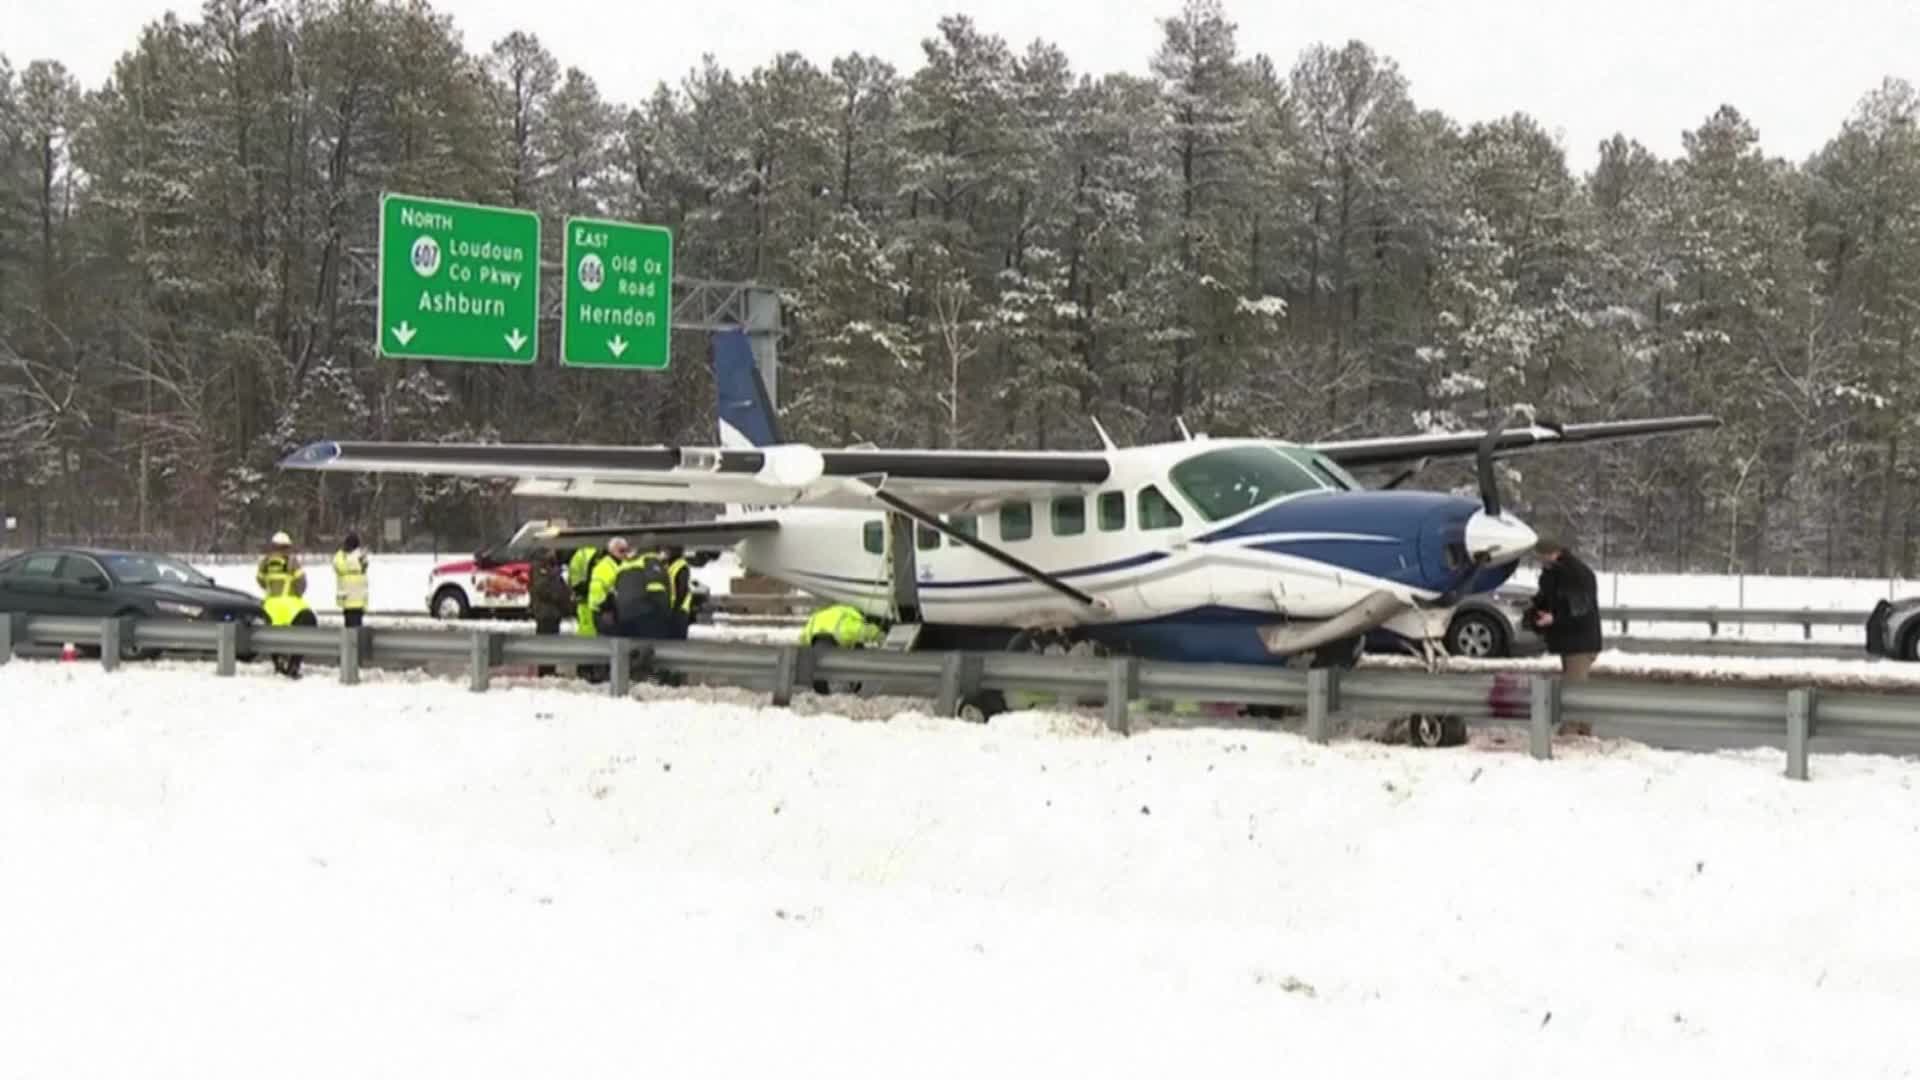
x: 1164, y: 548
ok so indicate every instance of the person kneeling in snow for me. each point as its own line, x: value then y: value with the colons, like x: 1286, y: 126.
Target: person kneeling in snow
x: 285, y: 584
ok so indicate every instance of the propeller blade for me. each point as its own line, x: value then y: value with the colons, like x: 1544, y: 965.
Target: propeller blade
x: 1489, y: 487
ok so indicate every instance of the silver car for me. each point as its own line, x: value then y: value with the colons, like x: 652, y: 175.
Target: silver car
x: 1489, y: 625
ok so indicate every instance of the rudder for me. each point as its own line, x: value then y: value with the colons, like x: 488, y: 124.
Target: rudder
x: 744, y: 411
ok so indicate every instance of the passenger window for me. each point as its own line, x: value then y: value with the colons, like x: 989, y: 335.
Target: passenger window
x: 1113, y: 511
x: 38, y: 566
x: 873, y: 537
x: 1155, y: 511
x: 1016, y: 521
x: 1069, y: 515
x: 968, y: 524
x: 924, y: 538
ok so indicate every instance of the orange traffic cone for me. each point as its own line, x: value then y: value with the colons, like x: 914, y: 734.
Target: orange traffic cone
x: 68, y: 652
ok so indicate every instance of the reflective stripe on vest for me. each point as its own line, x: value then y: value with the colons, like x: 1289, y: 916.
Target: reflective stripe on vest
x: 681, y: 604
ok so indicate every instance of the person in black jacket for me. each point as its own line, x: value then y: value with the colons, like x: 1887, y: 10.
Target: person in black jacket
x: 1566, y: 610
x: 549, y: 597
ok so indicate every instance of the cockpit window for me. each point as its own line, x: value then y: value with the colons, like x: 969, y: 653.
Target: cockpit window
x: 1235, y: 479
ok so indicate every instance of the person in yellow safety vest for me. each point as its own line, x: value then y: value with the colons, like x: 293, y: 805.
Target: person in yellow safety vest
x: 580, y: 576
x: 350, y: 579
x: 280, y: 576
x: 642, y: 594
x: 285, y: 584
x: 596, y: 571
x: 680, y: 579
x: 600, y: 585
x: 845, y: 625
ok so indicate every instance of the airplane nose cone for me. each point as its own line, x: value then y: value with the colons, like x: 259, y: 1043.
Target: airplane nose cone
x: 1502, y: 538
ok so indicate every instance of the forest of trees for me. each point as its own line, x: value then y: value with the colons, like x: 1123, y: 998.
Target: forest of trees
x: 983, y: 251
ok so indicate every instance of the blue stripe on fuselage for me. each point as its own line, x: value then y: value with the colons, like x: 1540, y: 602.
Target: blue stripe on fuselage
x: 1415, y: 526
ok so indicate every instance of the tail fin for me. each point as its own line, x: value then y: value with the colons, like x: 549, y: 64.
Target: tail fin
x: 746, y: 416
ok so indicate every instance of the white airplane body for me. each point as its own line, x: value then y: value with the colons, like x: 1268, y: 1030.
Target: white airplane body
x: 1245, y: 550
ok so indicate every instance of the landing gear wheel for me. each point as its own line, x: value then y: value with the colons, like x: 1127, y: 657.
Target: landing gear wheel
x: 822, y: 686
x: 450, y: 603
x: 981, y: 706
x: 1476, y: 636
x: 1436, y: 729
x: 1053, y: 642
x: 1060, y: 642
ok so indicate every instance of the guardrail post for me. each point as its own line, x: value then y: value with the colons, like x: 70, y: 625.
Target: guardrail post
x: 620, y: 666
x: 947, y: 701
x: 226, y: 649
x: 1799, y: 726
x: 353, y: 644
x: 483, y: 655
x: 1320, y: 692
x: 111, y: 631
x: 1544, y: 716
x: 1123, y: 683
x: 786, y: 672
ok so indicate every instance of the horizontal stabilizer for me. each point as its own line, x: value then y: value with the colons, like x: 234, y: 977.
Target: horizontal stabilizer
x: 1370, y: 612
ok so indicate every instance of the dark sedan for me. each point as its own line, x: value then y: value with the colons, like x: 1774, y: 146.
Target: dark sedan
x: 88, y: 581
x: 1893, y: 630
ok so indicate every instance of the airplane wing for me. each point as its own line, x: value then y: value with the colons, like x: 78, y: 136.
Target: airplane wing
x: 1407, y: 449
x: 940, y: 481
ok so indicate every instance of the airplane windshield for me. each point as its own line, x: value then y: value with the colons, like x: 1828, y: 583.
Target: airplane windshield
x: 1235, y: 479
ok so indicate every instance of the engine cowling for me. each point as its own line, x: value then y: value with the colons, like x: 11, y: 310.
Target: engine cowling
x: 790, y: 466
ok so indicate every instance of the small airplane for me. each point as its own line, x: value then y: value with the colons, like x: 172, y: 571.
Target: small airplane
x: 1238, y: 550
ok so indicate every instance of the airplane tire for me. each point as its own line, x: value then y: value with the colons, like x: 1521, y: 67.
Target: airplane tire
x: 981, y: 706
x: 1436, y: 729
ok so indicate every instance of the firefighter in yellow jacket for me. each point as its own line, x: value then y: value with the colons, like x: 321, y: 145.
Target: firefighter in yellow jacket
x: 580, y: 569
x: 592, y: 576
x: 284, y: 582
x: 282, y: 579
x: 679, y: 591
x: 844, y: 625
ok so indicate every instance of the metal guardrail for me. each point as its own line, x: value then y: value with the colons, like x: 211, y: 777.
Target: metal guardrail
x: 1659, y: 714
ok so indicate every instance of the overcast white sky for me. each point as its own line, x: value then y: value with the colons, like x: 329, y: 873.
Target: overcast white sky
x: 1584, y: 68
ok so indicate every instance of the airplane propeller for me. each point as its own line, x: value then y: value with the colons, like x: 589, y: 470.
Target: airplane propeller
x: 1483, y: 460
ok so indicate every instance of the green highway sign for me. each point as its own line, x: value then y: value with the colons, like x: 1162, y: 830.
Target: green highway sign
x: 458, y: 281
x: 617, y: 303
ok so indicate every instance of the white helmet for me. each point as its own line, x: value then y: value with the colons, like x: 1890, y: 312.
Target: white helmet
x: 281, y: 539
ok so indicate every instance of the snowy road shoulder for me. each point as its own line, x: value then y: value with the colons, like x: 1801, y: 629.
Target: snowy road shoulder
x: 241, y: 877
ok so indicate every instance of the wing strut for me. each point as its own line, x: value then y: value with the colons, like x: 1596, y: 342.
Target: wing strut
x: 1024, y: 569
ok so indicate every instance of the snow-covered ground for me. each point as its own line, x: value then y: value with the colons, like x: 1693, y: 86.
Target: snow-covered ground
x: 246, y: 878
